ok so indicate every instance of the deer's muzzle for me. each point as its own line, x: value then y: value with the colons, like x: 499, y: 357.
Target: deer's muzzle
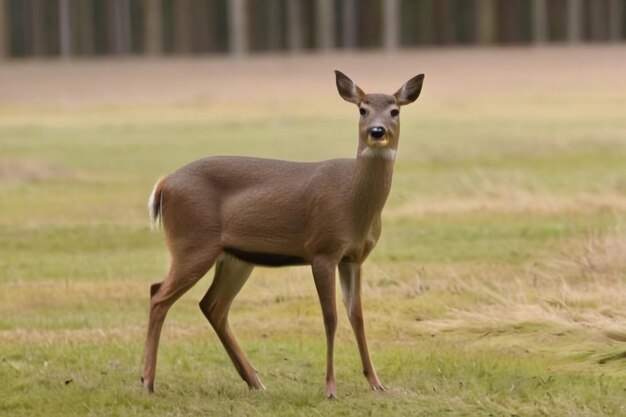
x: 377, y: 137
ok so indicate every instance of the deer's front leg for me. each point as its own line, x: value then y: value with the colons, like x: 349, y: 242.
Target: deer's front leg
x: 324, y: 276
x: 350, y: 276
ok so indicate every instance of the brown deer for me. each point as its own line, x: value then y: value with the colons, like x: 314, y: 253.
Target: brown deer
x: 239, y: 212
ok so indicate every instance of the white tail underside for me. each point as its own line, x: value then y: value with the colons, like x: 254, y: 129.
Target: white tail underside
x: 154, y: 213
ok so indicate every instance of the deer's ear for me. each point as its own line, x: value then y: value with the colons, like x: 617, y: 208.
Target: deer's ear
x: 348, y: 90
x: 410, y: 91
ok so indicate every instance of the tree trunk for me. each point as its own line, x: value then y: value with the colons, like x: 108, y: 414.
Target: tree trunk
x: 65, y: 29
x: 274, y: 27
x: 425, y: 22
x: 574, y: 21
x: 112, y: 34
x: 123, y: 25
x: 508, y: 17
x: 238, y: 27
x: 212, y: 23
x: 325, y: 25
x: 465, y: 22
x: 539, y: 21
x: 391, y: 23
x: 616, y: 20
x: 201, y: 20
x: 409, y: 22
x: 85, y: 20
x: 598, y: 20
x: 118, y: 26
x: 444, y: 22
x: 294, y: 25
x: 486, y: 21
x: 349, y: 20
x: 183, y: 26
x: 369, y: 24
x: 5, y: 29
x: 153, y: 31
x: 39, y: 35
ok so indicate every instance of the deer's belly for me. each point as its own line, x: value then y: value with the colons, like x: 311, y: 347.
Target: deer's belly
x: 266, y: 259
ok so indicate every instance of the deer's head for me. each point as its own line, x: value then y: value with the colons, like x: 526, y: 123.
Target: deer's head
x: 379, y: 124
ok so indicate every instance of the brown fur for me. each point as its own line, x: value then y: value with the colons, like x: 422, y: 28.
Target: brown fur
x: 241, y: 211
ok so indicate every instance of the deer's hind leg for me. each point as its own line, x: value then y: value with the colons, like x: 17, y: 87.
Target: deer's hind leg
x: 230, y: 276
x: 185, y: 270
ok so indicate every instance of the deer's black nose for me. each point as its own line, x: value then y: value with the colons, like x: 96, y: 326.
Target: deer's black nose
x: 378, y: 132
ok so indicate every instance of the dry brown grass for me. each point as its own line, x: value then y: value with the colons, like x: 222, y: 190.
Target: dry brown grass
x: 453, y: 73
x: 512, y: 202
x: 28, y: 170
x: 579, y: 290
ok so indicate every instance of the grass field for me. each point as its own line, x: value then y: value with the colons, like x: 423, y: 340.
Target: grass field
x: 498, y: 286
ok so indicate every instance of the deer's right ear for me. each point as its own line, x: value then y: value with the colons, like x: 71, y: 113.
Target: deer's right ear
x: 348, y: 90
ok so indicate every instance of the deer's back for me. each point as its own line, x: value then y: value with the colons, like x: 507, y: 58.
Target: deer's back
x: 234, y: 174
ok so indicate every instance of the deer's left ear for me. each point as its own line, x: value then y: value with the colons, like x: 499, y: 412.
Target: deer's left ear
x: 410, y: 91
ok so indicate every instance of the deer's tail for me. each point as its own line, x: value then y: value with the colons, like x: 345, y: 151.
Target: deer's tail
x: 155, y: 204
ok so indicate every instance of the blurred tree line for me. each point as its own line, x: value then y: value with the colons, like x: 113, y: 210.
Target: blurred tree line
x: 117, y: 27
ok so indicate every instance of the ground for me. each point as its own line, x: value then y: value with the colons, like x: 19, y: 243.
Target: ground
x: 498, y: 286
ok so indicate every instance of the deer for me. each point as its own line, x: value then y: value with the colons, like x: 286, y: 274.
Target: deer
x: 240, y: 212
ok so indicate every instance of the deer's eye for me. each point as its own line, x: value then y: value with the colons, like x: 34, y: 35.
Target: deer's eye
x: 395, y: 112
x: 362, y: 111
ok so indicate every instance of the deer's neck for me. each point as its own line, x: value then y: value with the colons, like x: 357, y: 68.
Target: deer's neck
x: 370, y: 184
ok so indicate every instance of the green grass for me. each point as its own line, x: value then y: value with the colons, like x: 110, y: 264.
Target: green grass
x: 497, y: 287
x: 418, y: 378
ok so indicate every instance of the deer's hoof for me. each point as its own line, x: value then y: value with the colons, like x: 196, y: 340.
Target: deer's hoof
x: 148, y: 386
x: 331, y: 392
x: 378, y: 387
x: 257, y: 386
